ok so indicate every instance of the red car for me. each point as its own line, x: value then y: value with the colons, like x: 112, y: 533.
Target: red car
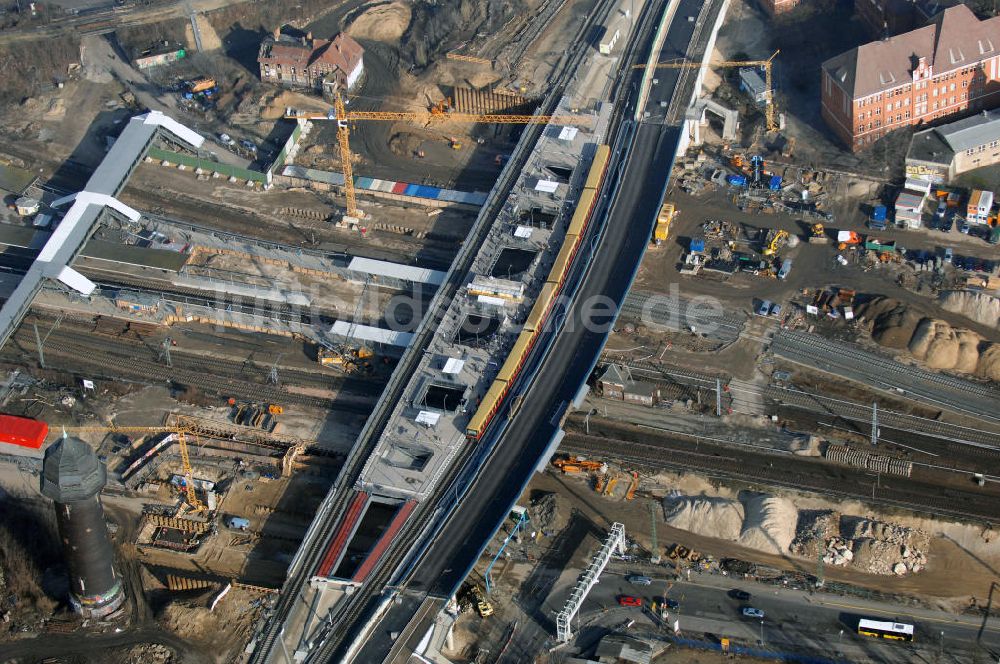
x: 628, y: 600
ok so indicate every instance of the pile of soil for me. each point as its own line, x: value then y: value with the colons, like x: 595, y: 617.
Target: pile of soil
x: 548, y: 514
x: 980, y: 307
x: 149, y: 653
x: 384, y: 23
x: 438, y: 25
x: 893, y: 322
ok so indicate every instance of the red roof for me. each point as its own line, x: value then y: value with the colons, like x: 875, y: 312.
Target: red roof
x: 22, y: 431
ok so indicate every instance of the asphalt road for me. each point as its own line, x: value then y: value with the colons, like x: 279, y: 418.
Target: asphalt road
x: 794, y: 620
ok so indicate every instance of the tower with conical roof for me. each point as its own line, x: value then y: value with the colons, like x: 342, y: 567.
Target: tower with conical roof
x: 73, y: 477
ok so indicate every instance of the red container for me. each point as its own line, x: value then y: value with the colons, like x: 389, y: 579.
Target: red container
x: 22, y: 432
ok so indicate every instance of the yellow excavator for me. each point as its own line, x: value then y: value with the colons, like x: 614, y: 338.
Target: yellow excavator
x: 776, y: 239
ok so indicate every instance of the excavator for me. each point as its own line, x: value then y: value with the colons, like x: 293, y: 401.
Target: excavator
x: 347, y: 359
x: 774, y: 241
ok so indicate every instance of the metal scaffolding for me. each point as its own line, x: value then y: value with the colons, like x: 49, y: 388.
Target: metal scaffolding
x: 614, y: 542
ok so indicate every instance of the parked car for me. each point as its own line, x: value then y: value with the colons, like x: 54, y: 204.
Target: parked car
x: 741, y: 595
x: 764, y: 307
x: 225, y: 139
x: 963, y: 227
x: 671, y: 604
x: 946, y: 225
x: 639, y: 580
x: 751, y: 612
x: 775, y: 309
x: 948, y: 254
x: 629, y: 600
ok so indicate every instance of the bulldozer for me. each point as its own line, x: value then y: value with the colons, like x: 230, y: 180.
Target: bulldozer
x: 817, y: 234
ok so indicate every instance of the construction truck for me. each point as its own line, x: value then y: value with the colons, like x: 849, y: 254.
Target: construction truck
x: 574, y: 464
x: 201, y: 85
x: 846, y: 239
x: 817, y: 234
x: 663, y: 221
x: 774, y: 241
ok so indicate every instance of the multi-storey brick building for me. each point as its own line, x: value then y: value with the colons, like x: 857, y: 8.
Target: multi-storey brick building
x: 943, y: 70
x: 305, y: 62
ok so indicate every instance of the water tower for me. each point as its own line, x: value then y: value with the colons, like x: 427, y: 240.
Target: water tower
x: 73, y: 477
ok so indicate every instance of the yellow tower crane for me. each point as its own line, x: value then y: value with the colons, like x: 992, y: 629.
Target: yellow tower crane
x: 437, y: 114
x: 769, y: 114
x: 192, y: 498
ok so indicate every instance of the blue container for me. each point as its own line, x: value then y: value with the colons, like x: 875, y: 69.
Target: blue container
x: 737, y: 180
x: 697, y: 244
x: 878, y: 214
x: 775, y: 183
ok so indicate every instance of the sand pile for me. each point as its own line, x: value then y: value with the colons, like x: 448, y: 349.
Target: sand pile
x: 935, y: 342
x: 769, y: 523
x: 383, y: 23
x: 715, y: 517
x: 776, y: 525
x: 941, y: 346
x: 980, y: 307
x: 989, y: 362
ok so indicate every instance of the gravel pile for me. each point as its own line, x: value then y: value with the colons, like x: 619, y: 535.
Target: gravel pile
x: 150, y: 653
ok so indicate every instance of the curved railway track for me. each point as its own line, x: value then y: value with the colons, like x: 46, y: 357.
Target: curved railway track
x: 791, y: 472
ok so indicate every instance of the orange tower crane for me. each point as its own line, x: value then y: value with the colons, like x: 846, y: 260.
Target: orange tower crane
x: 436, y: 114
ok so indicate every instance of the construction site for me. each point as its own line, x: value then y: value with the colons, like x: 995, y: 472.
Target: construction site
x: 225, y: 231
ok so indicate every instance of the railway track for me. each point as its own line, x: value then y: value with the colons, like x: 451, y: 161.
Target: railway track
x: 677, y: 313
x: 789, y: 471
x: 848, y: 361
x: 113, y: 359
x: 785, y: 397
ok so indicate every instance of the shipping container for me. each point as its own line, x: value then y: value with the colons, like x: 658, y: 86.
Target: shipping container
x: 22, y: 431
